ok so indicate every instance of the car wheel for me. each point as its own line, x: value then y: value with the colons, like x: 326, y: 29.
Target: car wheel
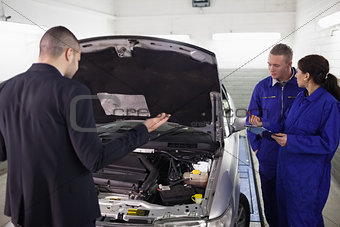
x: 243, y: 216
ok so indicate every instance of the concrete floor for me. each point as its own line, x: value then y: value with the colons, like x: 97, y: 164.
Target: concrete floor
x: 331, y: 211
x: 3, y: 219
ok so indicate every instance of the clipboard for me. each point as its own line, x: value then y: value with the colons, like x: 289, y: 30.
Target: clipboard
x: 265, y: 133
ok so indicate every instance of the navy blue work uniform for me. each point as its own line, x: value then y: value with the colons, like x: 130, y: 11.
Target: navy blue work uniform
x: 304, y: 165
x: 271, y: 101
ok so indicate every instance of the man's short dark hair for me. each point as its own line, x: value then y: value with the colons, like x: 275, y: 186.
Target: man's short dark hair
x: 282, y: 49
x: 56, y: 40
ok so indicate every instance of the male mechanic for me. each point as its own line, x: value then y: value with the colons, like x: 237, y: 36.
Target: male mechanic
x: 270, y: 103
x: 49, y: 180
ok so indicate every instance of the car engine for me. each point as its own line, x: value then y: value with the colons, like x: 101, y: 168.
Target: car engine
x: 157, y: 176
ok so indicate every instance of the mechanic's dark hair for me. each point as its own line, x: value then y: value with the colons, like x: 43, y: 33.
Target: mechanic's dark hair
x: 56, y: 40
x: 318, y: 68
x: 282, y: 49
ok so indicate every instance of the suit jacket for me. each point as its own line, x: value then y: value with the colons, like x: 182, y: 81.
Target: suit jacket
x: 49, y: 180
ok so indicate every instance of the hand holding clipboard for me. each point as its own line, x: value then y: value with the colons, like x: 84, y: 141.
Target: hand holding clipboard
x: 256, y: 127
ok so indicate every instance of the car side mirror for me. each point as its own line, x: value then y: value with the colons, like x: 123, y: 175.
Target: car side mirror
x: 239, y: 124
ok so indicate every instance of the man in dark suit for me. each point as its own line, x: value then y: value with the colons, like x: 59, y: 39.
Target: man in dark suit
x: 49, y: 180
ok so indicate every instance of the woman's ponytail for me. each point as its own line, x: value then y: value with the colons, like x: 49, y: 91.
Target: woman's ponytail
x: 332, y: 86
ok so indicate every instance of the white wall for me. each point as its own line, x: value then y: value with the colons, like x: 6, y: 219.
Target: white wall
x: 84, y: 18
x: 128, y: 8
x: 19, y: 41
x: 19, y: 45
x: 311, y: 38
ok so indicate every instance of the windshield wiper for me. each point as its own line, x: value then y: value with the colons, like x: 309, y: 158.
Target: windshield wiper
x: 167, y: 132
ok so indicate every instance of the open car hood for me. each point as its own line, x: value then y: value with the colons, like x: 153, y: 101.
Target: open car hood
x: 136, y: 77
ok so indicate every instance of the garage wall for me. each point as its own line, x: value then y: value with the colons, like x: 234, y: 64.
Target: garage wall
x: 311, y: 38
x: 20, y: 35
x: 181, y: 7
x: 19, y: 45
x: 84, y: 18
x: 240, y: 84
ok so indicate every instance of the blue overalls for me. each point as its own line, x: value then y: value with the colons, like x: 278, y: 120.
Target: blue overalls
x: 271, y: 103
x: 304, y: 165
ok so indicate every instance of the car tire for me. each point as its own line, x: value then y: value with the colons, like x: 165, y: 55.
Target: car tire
x: 243, y: 215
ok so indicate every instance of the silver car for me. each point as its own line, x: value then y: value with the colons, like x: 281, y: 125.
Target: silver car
x: 187, y: 174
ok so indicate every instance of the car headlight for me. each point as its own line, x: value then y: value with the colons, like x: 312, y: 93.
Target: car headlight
x: 224, y: 220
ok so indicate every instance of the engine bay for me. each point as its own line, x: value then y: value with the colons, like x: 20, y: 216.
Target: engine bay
x: 158, y: 177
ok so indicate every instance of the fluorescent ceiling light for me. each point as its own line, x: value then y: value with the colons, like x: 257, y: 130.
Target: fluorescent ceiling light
x: 330, y: 20
x: 247, y: 36
x: 174, y: 37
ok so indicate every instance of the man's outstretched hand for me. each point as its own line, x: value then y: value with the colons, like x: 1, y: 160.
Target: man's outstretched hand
x: 154, y: 123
